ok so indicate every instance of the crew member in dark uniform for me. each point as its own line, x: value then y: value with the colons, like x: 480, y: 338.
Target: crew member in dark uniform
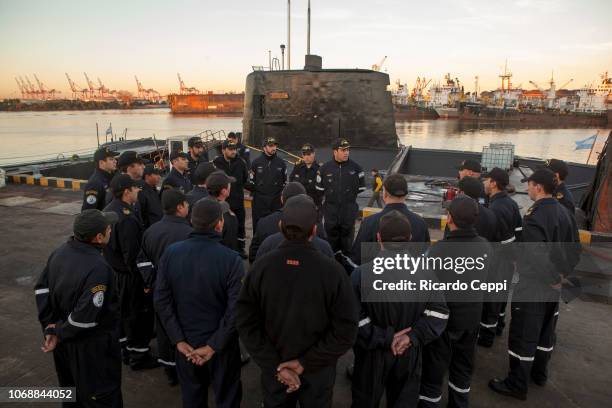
x: 268, y: 225
x: 267, y: 178
x: 198, y: 283
x: 131, y: 164
x: 235, y: 167
x: 197, y: 154
x: 509, y: 221
x: 121, y: 253
x: 199, y: 190
x: 547, y: 258
x: 454, y: 350
x: 340, y: 180
x: 562, y: 193
x: 395, y: 190
x: 296, y: 314
x: 472, y: 168
x: 393, y: 331
x: 305, y: 172
x: 77, y: 309
x: 173, y: 227
x: 149, y: 200
x: 219, y: 187
x: 98, y: 184
x: 486, y: 223
x: 469, y: 168
x: 243, y: 151
x: 179, y: 175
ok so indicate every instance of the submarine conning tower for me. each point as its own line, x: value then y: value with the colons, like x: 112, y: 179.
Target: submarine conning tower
x: 317, y: 105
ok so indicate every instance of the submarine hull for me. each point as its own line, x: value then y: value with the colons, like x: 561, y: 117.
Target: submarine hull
x: 318, y: 106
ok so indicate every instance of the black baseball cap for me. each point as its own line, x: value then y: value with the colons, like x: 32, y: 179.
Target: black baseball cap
x: 299, y: 211
x: 558, y: 166
x: 307, y: 148
x: 122, y: 182
x: 229, y: 144
x: 340, y: 143
x: 270, y: 141
x: 102, y: 153
x: 218, y: 179
x: 202, y: 172
x: 232, y: 135
x: 92, y: 222
x: 205, y: 214
x: 291, y: 189
x: 464, y: 211
x: 544, y: 177
x: 195, y: 141
x: 396, y: 185
x: 129, y: 157
x: 170, y: 199
x: 499, y: 176
x: 177, y: 153
x: 394, y: 227
x: 150, y: 169
x: 470, y: 164
x: 472, y: 187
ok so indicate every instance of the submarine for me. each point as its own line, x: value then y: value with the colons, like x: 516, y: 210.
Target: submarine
x: 316, y: 105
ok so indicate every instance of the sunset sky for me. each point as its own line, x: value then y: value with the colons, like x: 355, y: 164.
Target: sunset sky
x: 214, y: 44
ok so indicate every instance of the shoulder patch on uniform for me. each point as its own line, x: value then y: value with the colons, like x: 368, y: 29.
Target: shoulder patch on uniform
x: 91, y: 199
x: 94, y: 192
x: 98, y: 288
x: 529, y: 211
x: 126, y: 211
x: 559, y: 196
x: 293, y: 262
x: 98, y: 299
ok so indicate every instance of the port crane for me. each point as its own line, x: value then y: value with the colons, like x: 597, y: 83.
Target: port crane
x: 104, y: 91
x: 184, y: 90
x: 378, y: 67
x: 90, y: 84
x: 26, y: 90
x: 45, y: 93
x: 149, y: 94
x: 77, y: 91
x: 33, y: 91
x: 21, y: 89
x: 419, y: 87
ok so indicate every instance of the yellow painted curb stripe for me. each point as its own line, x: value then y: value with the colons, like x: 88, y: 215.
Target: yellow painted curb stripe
x: 76, y: 185
x: 585, y: 237
x: 44, y: 181
x: 60, y: 183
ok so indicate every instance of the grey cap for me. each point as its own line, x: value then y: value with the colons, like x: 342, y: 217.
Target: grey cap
x: 394, y: 227
x: 92, y: 222
x: 464, y: 211
x: 205, y: 213
x: 299, y: 211
x: 292, y: 189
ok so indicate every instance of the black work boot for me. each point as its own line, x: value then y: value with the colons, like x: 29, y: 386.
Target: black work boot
x: 143, y: 361
x: 500, y: 387
x: 171, y: 376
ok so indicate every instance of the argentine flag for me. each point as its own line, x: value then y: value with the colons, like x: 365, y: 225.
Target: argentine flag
x: 109, y: 131
x: 586, y: 143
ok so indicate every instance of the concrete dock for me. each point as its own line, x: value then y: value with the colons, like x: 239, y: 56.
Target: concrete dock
x: 34, y: 220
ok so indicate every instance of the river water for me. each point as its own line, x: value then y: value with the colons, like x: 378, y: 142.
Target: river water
x: 30, y: 136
